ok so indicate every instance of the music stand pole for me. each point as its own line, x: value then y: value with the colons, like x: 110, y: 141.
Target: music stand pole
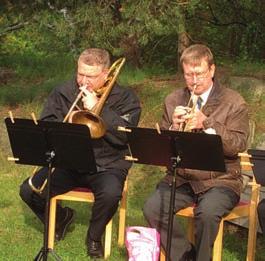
x: 45, y: 250
x: 175, y: 162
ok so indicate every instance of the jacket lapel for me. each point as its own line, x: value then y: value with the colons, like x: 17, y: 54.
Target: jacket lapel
x: 214, y: 98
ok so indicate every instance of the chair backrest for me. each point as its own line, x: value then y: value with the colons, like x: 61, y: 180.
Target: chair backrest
x: 246, y: 168
x: 246, y: 165
x: 252, y: 127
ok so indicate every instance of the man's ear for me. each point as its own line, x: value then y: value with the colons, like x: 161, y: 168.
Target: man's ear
x: 212, y: 70
x: 106, y: 72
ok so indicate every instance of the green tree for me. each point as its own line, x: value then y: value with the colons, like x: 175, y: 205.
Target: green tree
x: 145, y: 31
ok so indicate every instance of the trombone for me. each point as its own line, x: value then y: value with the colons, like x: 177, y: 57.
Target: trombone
x: 89, y: 118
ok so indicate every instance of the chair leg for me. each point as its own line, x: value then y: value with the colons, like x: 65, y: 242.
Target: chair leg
x: 252, y: 225
x: 252, y: 238
x: 162, y: 254
x: 107, y: 245
x: 122, y: 216
x: 52, y: 221
x: 218, y: 243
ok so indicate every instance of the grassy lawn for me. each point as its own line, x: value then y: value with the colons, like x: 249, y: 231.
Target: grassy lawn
x: 21, y: 233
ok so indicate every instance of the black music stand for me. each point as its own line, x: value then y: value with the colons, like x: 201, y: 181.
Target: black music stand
x: 175, y: 150
x: 258, y: 161
x: 50, y: 144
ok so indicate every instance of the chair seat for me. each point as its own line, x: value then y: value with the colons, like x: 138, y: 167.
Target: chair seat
x: 82, y: 189
x: 78, y: 194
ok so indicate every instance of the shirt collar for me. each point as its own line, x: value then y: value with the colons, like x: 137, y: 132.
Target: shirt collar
x: 205, y: 96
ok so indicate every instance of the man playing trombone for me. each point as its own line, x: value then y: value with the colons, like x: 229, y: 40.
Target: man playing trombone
x: 121, y: 108
x: 215, y: 110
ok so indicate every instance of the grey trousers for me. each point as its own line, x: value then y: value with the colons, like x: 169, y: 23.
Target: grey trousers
x: 210, y: 207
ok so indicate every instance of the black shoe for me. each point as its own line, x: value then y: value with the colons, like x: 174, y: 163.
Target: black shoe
x: 94, y: 249
x: 63, y: 224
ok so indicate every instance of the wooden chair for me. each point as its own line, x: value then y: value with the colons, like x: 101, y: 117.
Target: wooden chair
x: 85, y: 195
x: 243, y: 209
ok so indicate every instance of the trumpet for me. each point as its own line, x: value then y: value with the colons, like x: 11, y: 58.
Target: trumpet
x: 90, y: 118
x: 186, y: 126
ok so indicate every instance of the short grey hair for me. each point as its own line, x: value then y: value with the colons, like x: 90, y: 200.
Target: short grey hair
x: 195, y: 53
x: 95, y: 56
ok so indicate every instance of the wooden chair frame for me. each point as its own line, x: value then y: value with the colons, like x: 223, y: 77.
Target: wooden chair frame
x: 244, y: 209
x: 87, y: 196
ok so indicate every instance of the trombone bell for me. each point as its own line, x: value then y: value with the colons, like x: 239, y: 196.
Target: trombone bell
x: 91, y: 120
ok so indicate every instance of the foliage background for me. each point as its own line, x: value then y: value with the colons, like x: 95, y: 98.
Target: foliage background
x: 145, y: 31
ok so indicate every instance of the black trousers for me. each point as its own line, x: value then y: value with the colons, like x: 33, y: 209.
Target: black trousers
x: 211, y: 206
x: 261, y: 215
x: 107, y: 187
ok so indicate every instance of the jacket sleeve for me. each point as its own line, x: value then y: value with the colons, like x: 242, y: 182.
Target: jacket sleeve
x: 54, y: 108
x: 169, y: 106
x: 124, y: 112
x: 166, y: 120
x: 231, y: 122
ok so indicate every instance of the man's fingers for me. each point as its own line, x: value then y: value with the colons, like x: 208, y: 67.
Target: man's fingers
x: 181, y: 110
x: 84, y: 90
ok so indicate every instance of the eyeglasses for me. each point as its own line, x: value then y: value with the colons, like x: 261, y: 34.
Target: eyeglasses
x: 200, y: 76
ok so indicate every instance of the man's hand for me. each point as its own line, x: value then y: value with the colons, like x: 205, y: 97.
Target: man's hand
x: 183, y: 115
x: 179, y: 116
x: 196, y: 120
x: 89, y: 98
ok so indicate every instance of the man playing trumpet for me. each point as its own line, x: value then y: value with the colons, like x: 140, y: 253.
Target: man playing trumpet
x: 215, y: 110
x: 122, y: 108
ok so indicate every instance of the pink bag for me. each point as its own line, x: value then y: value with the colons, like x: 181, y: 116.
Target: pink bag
x: 142, y: 243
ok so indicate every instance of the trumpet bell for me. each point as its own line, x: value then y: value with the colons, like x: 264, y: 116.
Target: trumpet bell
x: 91, y: 120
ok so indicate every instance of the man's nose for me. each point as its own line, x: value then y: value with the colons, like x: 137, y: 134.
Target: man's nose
x: 84, y: 80
x: 194, y: 78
